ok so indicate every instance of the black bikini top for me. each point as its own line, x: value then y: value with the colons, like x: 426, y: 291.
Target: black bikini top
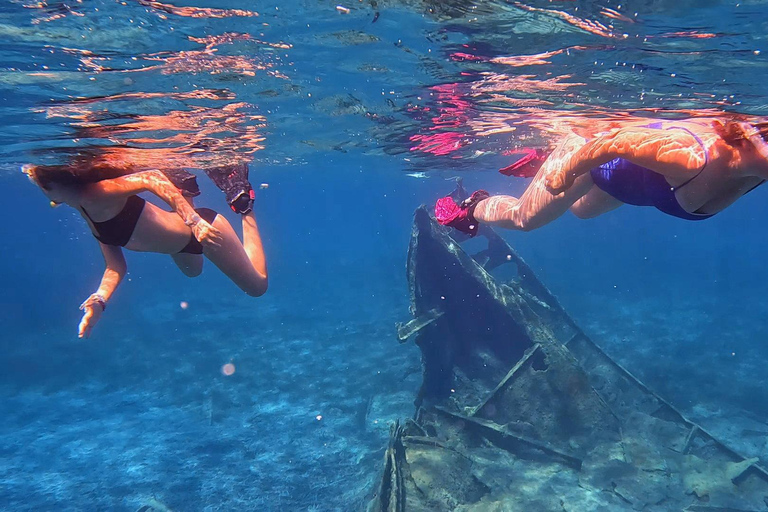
x: 119, y: 229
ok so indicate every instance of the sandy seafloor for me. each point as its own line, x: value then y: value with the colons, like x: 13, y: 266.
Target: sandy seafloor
x: 174, y: 428
x: 705, y: 355
x: 169, y: 425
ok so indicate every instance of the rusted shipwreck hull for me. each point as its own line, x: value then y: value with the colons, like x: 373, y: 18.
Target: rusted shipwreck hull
x: 520, y: 411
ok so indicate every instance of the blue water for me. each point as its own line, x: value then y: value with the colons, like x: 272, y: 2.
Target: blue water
x: 352, y: 123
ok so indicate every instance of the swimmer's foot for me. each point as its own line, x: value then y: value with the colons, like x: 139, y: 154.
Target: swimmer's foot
x: 528, y: 165
x: 460, y: 215
x: 233, y: 181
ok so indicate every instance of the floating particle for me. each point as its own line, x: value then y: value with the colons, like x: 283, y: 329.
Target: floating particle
x: 183, y: 304
x: 319, y: 417
x: 342, y: 9
x: 228, y: 369
x: 264, y: 186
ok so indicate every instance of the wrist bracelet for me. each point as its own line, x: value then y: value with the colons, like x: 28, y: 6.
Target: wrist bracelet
x: 96, y: 297
x: 193, y: 221
x: 101, y: 300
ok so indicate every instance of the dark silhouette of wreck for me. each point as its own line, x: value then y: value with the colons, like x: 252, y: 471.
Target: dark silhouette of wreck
x: 520, y: 411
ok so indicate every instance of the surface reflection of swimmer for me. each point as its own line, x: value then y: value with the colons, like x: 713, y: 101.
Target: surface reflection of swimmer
x: 108, y: 200
x: 691, y: 169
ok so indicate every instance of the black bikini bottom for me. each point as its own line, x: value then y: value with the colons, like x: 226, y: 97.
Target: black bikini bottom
x: 195, y: 247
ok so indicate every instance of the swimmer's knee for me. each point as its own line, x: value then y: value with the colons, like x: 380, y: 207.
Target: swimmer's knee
x: 587, y: 213
x: 257, y: 288
x: 191, y: 265
x: 581, y: 213
x: 525, y: 228
x: 192, y: 272
x: 520, y: 222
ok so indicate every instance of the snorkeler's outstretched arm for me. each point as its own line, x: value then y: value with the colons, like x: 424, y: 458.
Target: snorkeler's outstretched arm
x: 673, y: 153
x: 157, y: 183
x: 96, y: 303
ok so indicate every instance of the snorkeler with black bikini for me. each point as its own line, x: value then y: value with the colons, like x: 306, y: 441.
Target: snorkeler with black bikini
x: 107, y: 197
x: 691, y: 169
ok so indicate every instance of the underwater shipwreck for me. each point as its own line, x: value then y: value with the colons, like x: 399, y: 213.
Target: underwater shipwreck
x: 519, y: 410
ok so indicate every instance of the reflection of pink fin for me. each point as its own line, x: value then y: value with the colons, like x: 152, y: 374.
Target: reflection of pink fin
x: 528, y: 165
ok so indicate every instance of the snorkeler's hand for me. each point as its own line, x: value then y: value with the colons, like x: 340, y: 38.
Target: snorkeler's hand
x: 206, y: 234
x: 558, y: 182
x: 752, y: 134
x: 92, y: 309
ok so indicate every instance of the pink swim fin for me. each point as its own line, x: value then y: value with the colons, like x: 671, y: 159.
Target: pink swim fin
x: 460, y: 215
x: 528, y: 165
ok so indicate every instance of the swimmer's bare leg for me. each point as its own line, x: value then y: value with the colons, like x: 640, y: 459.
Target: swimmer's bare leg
x: 595, y: 203
x: 190, y: 264
x: 537, y: 206
x: 253, y: 246
x: 244, y: 263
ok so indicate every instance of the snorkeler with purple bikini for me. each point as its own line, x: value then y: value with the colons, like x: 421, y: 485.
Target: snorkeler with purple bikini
x: 690, y: 169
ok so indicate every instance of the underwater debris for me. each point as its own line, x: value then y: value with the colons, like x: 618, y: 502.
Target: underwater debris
x: 408, y: 329
x: 520, y: 410
x: 153, y: 505
x: 354, y: 37
x: 340, y: 105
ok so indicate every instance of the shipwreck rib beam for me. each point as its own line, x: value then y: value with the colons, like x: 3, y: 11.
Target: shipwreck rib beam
x: 508, y: 377
x: 507, y: 440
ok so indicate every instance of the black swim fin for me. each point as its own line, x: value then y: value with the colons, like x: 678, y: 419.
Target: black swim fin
x: 183, y: 180
x: 233, y: 181
x: 459, y: 194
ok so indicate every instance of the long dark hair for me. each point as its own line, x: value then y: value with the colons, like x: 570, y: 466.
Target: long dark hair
x: 77, y: 173
x: 731, y: 132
